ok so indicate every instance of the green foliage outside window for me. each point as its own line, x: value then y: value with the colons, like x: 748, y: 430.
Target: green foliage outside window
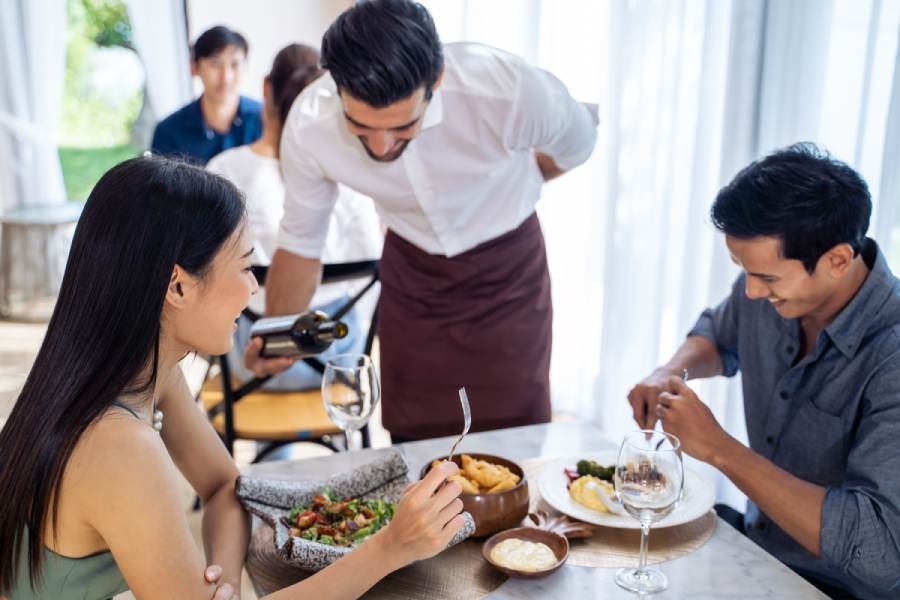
x: 97, y: 111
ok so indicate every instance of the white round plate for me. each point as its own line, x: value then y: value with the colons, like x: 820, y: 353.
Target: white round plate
x: 699, y: 496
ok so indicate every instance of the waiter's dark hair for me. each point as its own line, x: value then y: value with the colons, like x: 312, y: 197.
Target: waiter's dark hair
x: 214, y: 40
x: 143, y: 217
x: 800, y: 195
x: 294, y: 68
x: 381, y: 51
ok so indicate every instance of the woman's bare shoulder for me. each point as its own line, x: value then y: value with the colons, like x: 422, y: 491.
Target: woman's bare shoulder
x: 128, y: 491
x: 118, y: 451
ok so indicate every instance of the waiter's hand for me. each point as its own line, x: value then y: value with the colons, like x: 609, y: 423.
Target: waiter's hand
x: 644, y: 396
x: 264, y: 366
x: 684, y: 415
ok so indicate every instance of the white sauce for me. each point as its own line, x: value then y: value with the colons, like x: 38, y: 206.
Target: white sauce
x: 523, y: 556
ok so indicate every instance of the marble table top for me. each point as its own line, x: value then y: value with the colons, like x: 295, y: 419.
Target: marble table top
x: 728, y: 566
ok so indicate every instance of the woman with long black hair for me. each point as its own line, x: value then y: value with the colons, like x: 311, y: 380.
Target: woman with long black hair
x: 90, y: 500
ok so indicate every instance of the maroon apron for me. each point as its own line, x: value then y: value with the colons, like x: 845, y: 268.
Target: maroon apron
x: 482, y: 320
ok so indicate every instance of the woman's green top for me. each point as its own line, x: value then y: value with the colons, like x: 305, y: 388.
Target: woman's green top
x: 94, y: 577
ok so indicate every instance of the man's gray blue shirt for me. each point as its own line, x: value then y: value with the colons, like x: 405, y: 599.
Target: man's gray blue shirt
x: 831, y: 417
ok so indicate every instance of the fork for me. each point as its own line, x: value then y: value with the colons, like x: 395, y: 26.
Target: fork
x: 684, y: 377
x: 467, y: 418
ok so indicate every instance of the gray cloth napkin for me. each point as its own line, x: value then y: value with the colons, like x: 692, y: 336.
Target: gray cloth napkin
x: 271, y: 499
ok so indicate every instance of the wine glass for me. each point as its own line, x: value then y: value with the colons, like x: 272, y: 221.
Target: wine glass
x: 649, y: 479
x: 350, y: 392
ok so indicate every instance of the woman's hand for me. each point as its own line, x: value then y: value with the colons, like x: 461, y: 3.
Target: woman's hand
x: 426, y: 520
x: 212, y: 574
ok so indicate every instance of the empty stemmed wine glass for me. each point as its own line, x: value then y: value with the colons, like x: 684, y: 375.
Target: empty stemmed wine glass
x: 649, y: 478
x: 350, y: 392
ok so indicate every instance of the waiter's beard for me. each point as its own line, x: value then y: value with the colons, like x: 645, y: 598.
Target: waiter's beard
x: 390, y: 156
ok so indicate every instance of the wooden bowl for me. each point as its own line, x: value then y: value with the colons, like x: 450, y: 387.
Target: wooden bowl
x: 556, y: 542
x: 494, y: 512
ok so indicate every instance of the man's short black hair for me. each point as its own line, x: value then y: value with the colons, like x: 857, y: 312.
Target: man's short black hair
x: 381, y: 51
x: 800, y: 195
x: 212, y: 41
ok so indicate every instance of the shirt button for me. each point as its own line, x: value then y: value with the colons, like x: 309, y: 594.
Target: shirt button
x: 783, y: 395
x: 857, y: 553
x: 789, y: 349
x: 770, y: 440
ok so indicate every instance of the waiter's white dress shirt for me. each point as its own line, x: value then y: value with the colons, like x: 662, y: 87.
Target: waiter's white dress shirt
x: 353, y: 230
x: 470, y: 174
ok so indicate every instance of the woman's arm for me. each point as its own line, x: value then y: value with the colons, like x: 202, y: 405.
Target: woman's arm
x: 200, y: 456
x: 130, y: 492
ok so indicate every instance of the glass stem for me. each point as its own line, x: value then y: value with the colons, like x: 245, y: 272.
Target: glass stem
x: 348, y: 435
x: 642, y: 565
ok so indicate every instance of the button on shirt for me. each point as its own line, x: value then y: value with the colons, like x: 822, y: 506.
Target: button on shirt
x: 469, y: 175
x: 184, y: 134
x: 832, y: 419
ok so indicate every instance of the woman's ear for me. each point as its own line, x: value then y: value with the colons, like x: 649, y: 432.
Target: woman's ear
x: 175, y: 293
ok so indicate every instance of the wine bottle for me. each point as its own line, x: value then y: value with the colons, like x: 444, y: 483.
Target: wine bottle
x: 306, y: 334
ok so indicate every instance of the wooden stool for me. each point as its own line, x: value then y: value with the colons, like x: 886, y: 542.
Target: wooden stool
x: 35, y: 248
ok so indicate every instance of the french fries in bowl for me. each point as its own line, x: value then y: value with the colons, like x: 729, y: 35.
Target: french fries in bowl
x: 495, y: 491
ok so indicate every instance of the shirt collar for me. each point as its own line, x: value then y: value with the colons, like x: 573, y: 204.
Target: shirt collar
x: 434, y: 112
x: 244, y: 108
x: 862, y: 312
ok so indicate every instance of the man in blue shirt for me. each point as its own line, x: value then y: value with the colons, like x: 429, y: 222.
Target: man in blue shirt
x: 221, y: 118
x: 813, y: 324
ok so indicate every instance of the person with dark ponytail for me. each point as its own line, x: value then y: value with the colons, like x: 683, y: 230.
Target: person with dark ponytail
x: 353, y: 229
x: 90, y: 494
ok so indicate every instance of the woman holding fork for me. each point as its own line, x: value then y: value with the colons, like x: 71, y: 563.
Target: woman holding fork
x: 90, y: 473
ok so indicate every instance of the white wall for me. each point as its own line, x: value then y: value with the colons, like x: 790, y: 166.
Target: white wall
x: 268, y: 25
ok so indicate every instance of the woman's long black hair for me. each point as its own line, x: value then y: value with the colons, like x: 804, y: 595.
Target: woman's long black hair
x: 143, y: 217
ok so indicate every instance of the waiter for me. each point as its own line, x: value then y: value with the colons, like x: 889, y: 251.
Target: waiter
x: 453, y: 143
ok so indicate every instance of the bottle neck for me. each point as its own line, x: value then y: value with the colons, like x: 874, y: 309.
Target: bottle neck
x: 319, y: 326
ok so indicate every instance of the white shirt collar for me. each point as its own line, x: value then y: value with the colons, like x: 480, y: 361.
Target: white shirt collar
x: 455, y: 186
x: 434, y: 112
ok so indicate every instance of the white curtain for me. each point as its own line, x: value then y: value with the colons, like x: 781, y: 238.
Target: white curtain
x: 160, y: 38
x: 32, y: 71
x: 689, y: 91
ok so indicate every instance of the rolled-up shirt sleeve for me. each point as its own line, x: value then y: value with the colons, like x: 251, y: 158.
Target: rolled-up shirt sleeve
x: 309, y: 199
x: 861, y: 518
x: 720, y: 325
x: 547, y: 119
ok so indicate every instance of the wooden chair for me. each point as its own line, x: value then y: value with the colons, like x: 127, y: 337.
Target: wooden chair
x: 242, y: 411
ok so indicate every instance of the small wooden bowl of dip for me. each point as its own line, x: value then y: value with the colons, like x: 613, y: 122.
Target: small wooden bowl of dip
x: 557, y: 543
